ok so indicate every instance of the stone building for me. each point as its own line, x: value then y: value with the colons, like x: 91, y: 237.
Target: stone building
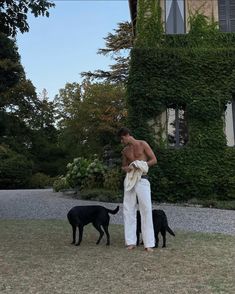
x: 175, y: 15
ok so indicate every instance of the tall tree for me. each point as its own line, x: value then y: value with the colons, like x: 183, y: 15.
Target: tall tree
x: 11, y: 69
x: 14, y: 14
x: 118, y: 45
x: 45, y: 150
x: 92, y: 123
x: 17, y: 115
x: 67, y: 102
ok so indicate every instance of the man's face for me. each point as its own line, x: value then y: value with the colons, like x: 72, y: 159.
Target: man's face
x: 125, y: 139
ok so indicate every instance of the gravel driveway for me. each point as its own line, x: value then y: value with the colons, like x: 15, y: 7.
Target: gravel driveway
x: 46, y: 204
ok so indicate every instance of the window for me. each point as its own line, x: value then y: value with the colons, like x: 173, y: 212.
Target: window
x: 177, y: 127
x: 226, y: 15
x: 230, y: 123
x: 175, y: 16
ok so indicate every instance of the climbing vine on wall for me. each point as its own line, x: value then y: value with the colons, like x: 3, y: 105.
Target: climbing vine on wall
x: 197, y: 71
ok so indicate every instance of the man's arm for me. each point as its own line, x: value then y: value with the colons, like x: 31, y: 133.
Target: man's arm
x: 125, y: 166
x: 150, y: 155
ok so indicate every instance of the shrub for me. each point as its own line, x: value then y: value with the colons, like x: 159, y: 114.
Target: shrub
x: 15, y: 169
x: 113, y: 179
x: 84, y: 173
x: 40, y: 180
x: 77, y: 172
x: 101, y: 195
x: 60, y: 184
x: 95, y: 174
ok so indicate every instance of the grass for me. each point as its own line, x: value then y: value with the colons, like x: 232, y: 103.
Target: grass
x: 36, y: 257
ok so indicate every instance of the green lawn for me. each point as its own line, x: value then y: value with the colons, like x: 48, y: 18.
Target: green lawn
x: 36, y: 257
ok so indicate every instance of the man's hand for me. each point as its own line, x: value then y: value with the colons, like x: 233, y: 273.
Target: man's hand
x: 127, y: 169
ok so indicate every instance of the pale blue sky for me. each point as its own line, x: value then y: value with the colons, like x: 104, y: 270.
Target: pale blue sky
x: 57, y: 49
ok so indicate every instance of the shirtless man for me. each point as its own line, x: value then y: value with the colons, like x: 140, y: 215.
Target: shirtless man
x: 137, y: 150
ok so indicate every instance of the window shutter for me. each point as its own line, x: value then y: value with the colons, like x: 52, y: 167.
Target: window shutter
x: 232, y: 15
x: 222, y: 15
x: 226, y: 15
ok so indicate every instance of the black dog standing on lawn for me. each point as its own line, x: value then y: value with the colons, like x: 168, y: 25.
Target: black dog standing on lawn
x: 79, y: 216
x: 160, y: 224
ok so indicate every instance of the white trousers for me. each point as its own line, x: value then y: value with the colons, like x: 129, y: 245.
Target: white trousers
x: 143, y: 193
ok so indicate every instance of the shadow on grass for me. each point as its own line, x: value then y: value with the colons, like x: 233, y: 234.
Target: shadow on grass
x: 36, y: 257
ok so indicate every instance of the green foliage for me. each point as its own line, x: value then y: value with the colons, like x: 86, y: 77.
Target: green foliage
x: 15, y: 169
x: 113, y: 179
x: 195, y: 71
x: 27, y: 122
x: 192, y: 172
x: 83, y: 173
x: 202, y: 29
x: 77, y: 172
x: 60, y: 184
x: 149, y: 27
x: 40, y: 181
x: 10, y: 68
x: 116, y: 43
x: 95, y: 174
x: 14, y: 14
x: 99, y: 109
x: 103, y: 195
x: 93, y: 180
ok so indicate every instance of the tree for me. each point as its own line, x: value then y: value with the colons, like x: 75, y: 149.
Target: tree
x: 14, y: 14
x: 11, y: 69
x: 27, y: 122
x: 14, y: 89
x: 67, y: 102
x: 45, y: 151
x: 18, y: 110
x: 118, y: 46
x: 99, y: 110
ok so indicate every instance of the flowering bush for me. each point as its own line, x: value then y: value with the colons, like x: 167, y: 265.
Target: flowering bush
x: 95, y: 174
x: 60, y: 184
x: 85, y: 173
x: 77, y: 172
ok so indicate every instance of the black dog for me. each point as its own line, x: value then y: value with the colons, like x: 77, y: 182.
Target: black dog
x: 79, y: 216
x: 160, y: 224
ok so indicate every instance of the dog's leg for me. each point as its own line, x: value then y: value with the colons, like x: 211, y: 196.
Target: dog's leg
x: 80, y: 228
x: 138, y: 238
x: 163, y: 232
x: 107, y: 234
x: 98, y: 228
x: 156, y: 239
x: 74, y: 234
x: 138, y: 227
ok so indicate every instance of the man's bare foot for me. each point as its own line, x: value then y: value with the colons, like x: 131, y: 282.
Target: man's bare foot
x: 149, y: 249
x: 130, y: 247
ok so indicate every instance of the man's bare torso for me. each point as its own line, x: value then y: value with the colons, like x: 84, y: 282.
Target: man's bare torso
x: 135, y: 151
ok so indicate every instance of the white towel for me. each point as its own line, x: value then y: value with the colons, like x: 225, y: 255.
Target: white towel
x: 139, y: 167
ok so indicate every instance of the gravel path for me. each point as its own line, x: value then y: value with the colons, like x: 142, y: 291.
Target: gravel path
x: 45, y: 204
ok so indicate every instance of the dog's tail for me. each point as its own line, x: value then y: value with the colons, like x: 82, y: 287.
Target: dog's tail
x: 114, y: 211
x: 169, y: 230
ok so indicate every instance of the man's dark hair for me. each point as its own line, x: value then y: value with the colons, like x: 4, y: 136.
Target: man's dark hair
x: 123, y: 132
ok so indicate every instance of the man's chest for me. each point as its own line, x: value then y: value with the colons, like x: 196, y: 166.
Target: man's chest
x: 134, y: 152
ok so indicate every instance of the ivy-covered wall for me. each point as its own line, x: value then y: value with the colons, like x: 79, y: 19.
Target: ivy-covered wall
x: 196, y: 71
